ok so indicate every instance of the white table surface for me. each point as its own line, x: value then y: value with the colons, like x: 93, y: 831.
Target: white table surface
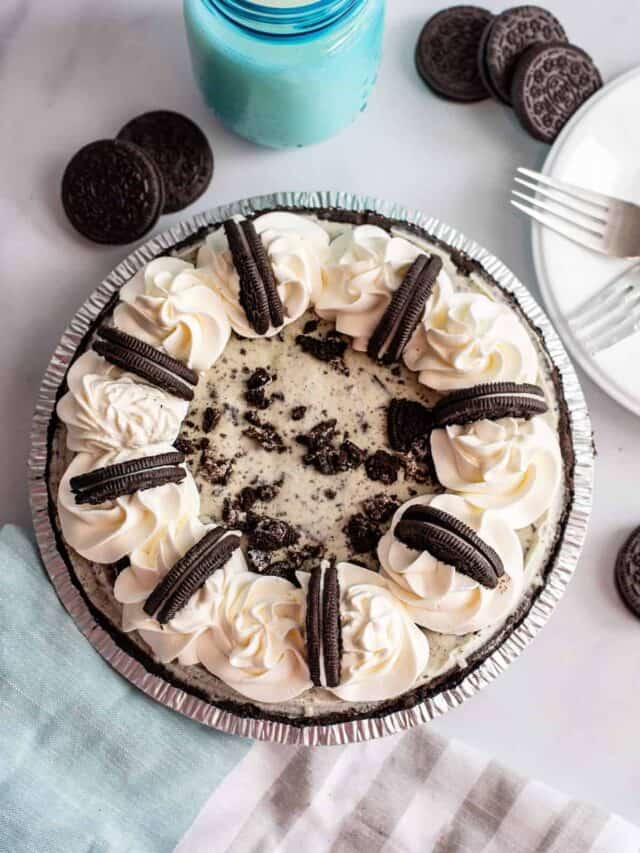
x: 75, y: 70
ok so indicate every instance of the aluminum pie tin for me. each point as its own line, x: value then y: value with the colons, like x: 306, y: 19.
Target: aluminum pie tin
x: 564, y: 560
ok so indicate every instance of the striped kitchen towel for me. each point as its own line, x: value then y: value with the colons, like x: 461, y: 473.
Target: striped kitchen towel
x: 88, y: 764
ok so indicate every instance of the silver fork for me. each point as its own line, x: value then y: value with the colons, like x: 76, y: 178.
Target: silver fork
x: 610, y: 316
x: 599, y: 222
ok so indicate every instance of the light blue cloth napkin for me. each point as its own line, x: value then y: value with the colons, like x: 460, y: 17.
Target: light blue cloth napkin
x: 87, y: 762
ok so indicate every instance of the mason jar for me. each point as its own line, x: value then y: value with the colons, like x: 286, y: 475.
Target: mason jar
x: 285, y: 72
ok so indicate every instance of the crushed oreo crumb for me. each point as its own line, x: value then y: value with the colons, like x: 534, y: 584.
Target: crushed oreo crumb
x: 310, y: 326
x: 324, y: 454
x: 217, y: 469
x: 210, y: 418
x: 383, y: 467
x: 330, y: 494
x: 263, y: 433
x: 258, y: 561
x: 298, y: 413
x: 184, y: 445
x: 463, y: 263
x: 330, y: 348
x: 381, y: 507
x: 269, y: 534
x: 362, y: 534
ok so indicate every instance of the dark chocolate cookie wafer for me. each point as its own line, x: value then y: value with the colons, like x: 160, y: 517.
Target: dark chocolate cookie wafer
x: 179, y: 149
x: 259, y: 298
x: 313, y: 625
x: 331, y: 628
x: 112, y: 191
x: 450, y: 540
x: 491, y: 400
x: 403, y: 313
x: 407, y: 420
x: 130, y: 353
x: 126, y: 478
x: 257, y: 249
x: 550, y: 83
x: 178, y: 572
x: 447, y: 50
x: 628, y: 572
x: 505, y: 40
x: 215, y: 558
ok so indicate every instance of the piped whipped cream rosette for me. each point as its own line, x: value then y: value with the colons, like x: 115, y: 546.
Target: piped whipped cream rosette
x: 107, y: 409
x: 461, y: 586
x: 365, y: 267
x: 190, y: 596
x: 265, y: 271
x: 172, y: 305
x: 111, y: 505
x: 361, y: 642
x: 149, y: 565
x: 466, y: 339
x: 510, y: 464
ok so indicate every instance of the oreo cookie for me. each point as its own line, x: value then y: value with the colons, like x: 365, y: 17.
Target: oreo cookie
x: 491, y: 400
x: 258, y: 291
x: 407, y: 420
x: 447, y: 51
x: 323, y: 628
x: 125, y: 478
x: 550, y: 83
x: 135, y: 356
x: 331, y: 628
x: 425, y: 528
x: 403, y: 313
x: 190, y: 573
x: 179, y: 149
x: 112, y: 191
x: 506, y: 38
x: 627, y: 572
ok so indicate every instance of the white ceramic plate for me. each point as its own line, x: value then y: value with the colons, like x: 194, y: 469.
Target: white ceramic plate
x: 598, y: 149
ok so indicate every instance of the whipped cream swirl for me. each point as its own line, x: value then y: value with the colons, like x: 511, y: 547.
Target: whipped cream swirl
x: 109, y: 531
x: 296, y: 247
x: 437, y: 595
x: 364, y: 267
x: 172, y: 305
x: 150, y: 562
x: 511, y: 464
x: 106, y: 409
x: 255, y: 642
x: 384, y: 653
x: 466, y: 338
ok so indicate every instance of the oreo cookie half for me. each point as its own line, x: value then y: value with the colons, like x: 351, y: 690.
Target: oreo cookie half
x: 112, y: 191
x: 323, y: 629
x: 130, y: 353
x: 179, y: 149
x: 491, y: 400
x: 550, y: 83
x: 403, y: 313
x: 406, y: 421
x: 450, y: 540
x: 258, y: 291
x: 505, y: 40
x: 627, y: 572
x: 126, y: 478
x: 190, y: 573
x: 447, y: 50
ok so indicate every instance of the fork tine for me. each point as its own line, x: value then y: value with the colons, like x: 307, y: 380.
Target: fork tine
x: 572, y: 220
x: 622, y: 330
x: 575, y: 192
x: 578, y: 235
x: 555, y: 196
x: 602, y: 299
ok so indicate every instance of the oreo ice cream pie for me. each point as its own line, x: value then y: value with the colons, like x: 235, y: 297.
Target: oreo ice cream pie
x: 311, y: 466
